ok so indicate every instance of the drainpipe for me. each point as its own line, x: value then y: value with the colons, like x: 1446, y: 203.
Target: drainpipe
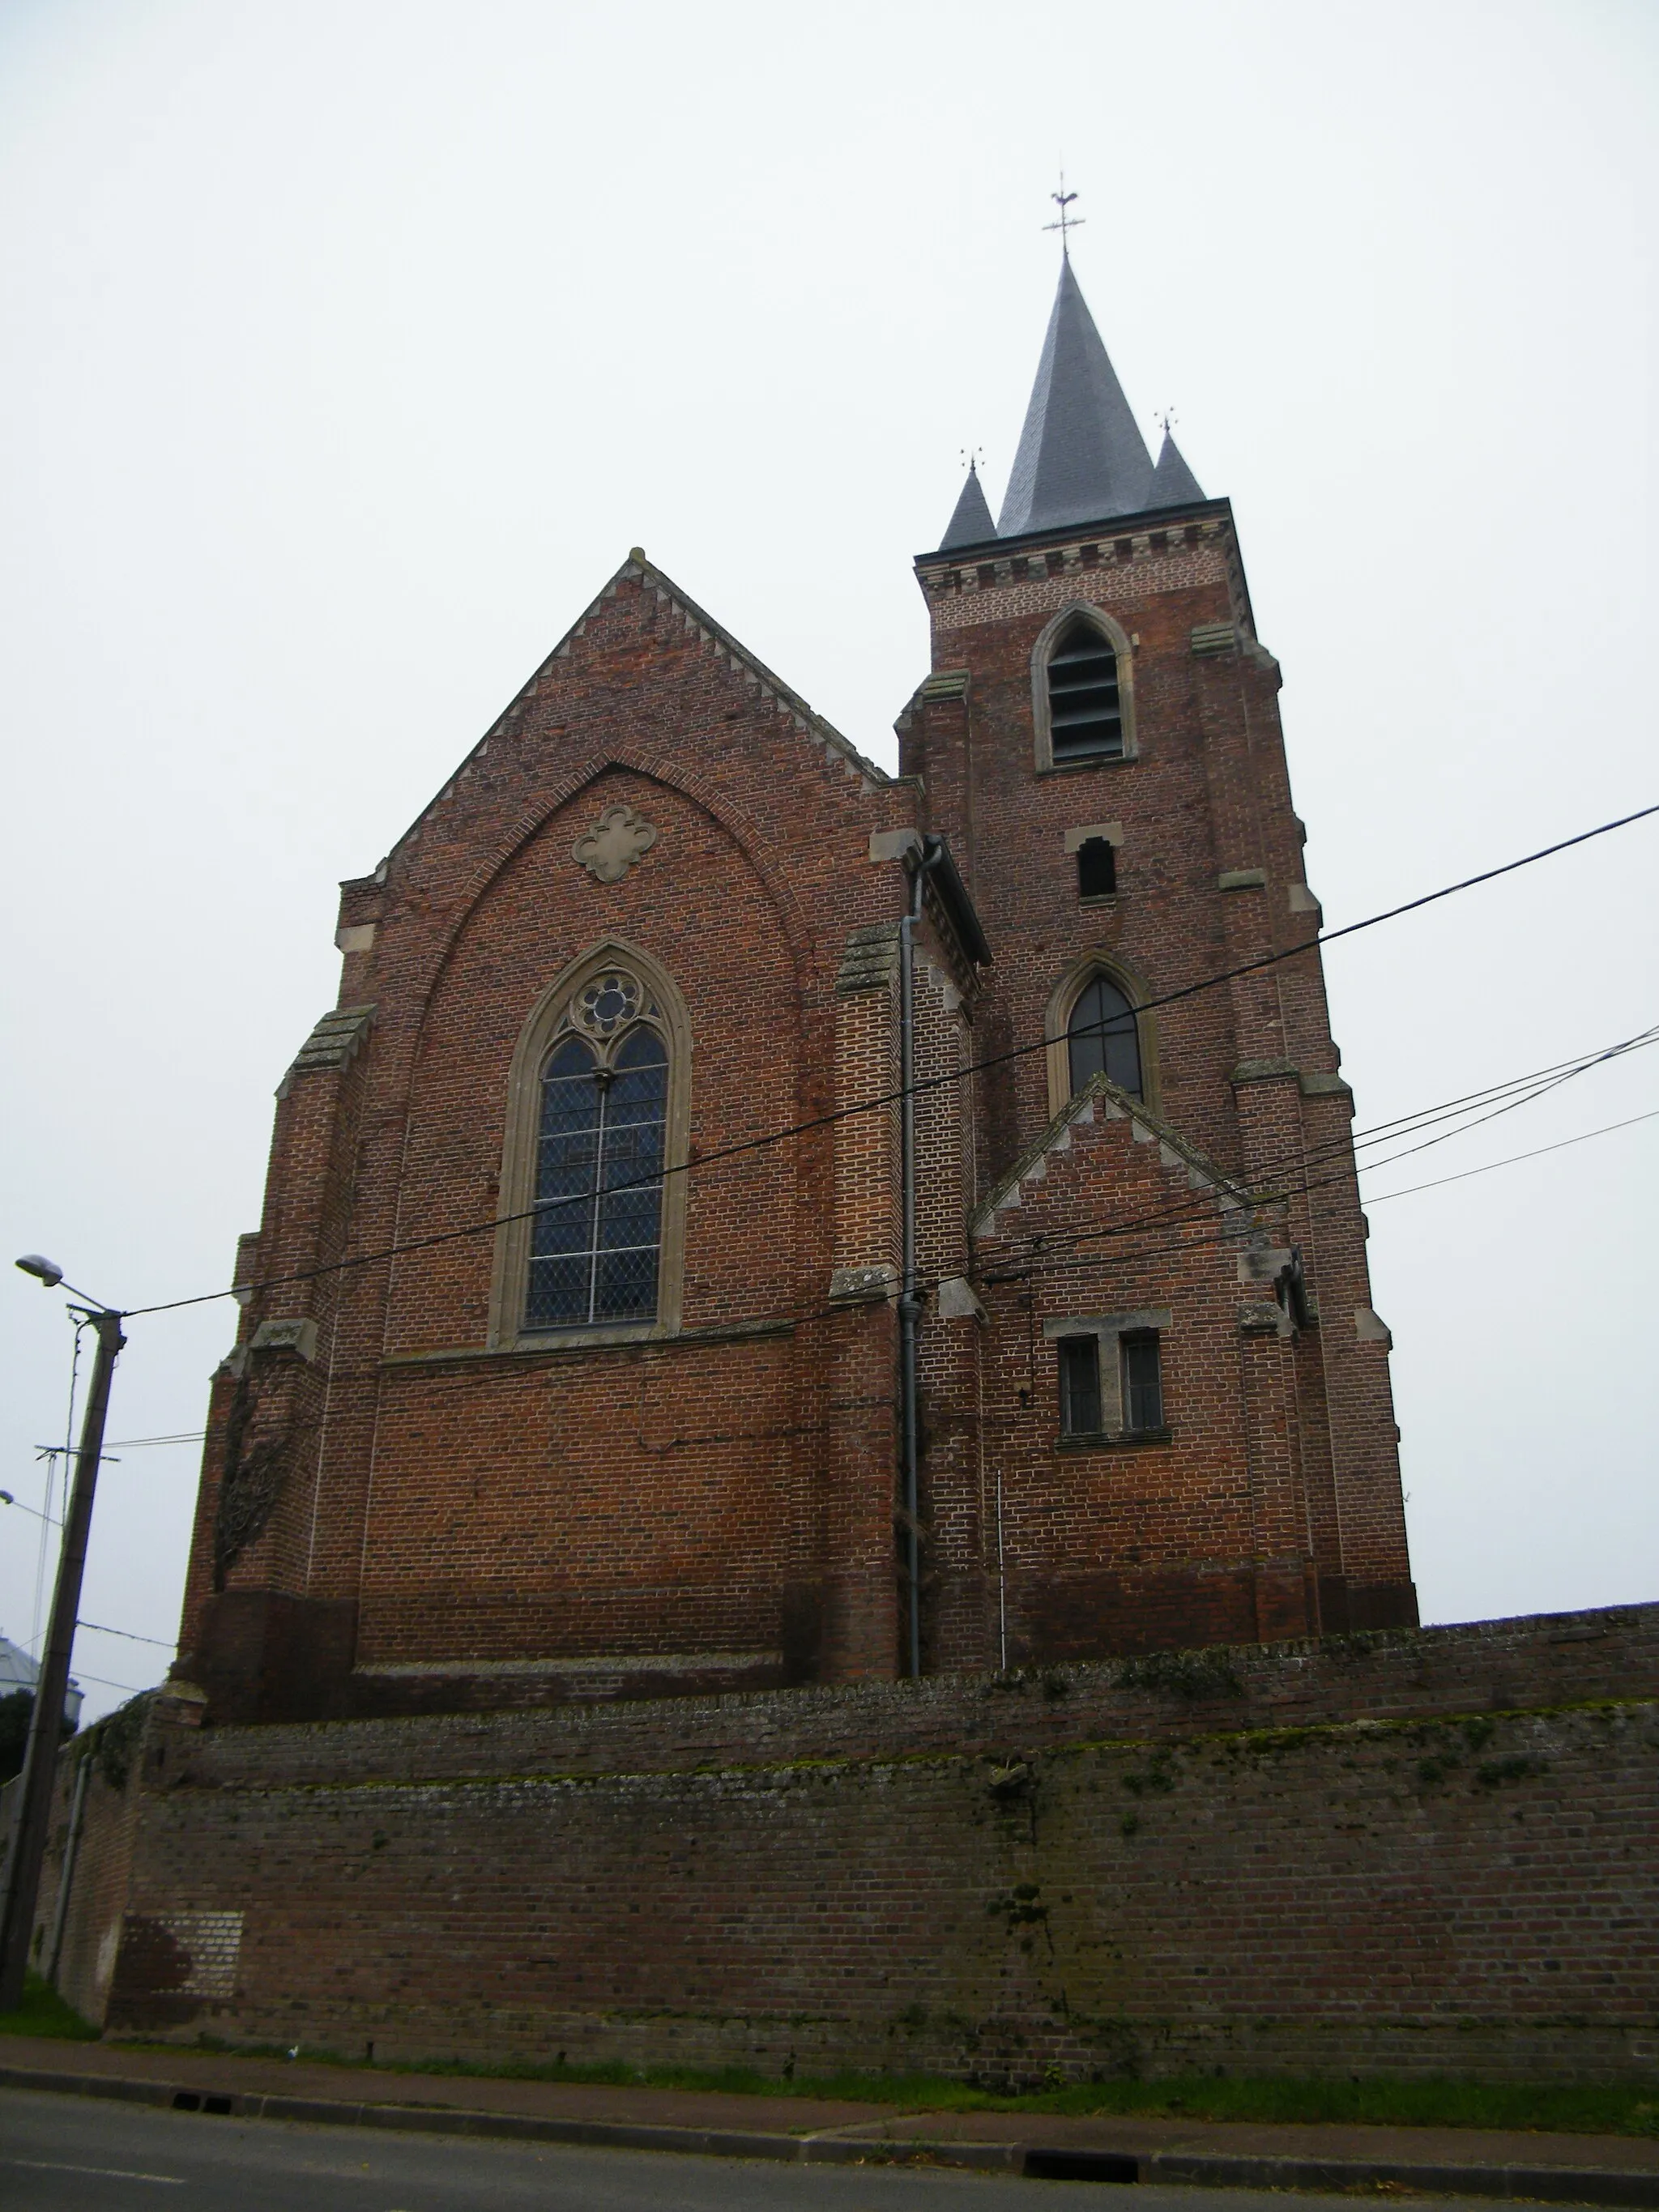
x: 909, y: 1304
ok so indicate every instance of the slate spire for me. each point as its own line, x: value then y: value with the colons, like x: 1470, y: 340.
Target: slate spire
x: 971, y: 524
x: 1081, y: 455
x: 1173, y: 481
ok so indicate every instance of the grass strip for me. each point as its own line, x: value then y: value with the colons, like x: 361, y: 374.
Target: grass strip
x: 1614, y: 2108
x: 43, y: 2012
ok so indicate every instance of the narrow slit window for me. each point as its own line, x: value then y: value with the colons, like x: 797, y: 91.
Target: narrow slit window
x: 1096, y: 868
x: 1103, y: 1039
x: 1085, y: 714
x: 1080, y: 1386
x: 1143, y: 1383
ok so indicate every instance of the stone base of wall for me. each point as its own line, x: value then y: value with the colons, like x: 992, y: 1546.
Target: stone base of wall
x: 1403, y: 1851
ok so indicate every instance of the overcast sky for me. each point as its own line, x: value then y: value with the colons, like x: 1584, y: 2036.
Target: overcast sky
x: 348, y: 348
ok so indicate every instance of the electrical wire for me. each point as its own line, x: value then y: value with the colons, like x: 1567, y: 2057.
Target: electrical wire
x: 1583, y: 1138
x: 1341, y: 1149
x: 97, y: 1629
x: 887, y: 1098
x: 103, y: 1681
x: 133, y: 1444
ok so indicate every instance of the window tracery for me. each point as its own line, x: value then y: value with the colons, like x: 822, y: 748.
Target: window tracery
x: 594, y: 1223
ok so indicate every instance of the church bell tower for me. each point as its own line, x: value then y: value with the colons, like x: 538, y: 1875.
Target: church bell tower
x: 1098, y: 738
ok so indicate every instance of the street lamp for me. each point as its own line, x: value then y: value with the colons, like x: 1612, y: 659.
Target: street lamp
x: 22, y: 1880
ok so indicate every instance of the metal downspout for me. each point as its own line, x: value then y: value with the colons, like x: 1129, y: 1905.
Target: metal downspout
x: 909, y: 1304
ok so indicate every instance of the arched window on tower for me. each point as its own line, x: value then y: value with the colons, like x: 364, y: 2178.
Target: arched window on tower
x: 1101, y: 1037
x: 597, y: 1234
x: 1085, y: 712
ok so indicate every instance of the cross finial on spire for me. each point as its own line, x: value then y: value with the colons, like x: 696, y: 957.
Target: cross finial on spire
x: 1063, y: 199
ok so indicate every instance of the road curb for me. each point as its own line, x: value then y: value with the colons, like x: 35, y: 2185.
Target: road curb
x: 1556, y: 2184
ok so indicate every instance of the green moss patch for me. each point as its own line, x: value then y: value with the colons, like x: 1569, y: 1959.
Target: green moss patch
x: 43, y: 2012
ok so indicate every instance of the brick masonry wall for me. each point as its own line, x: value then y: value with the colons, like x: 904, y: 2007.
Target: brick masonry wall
x: 1210, y: 876
x: 1409, y: 1850
x: 402, y: 1505
x: 413, y: 1496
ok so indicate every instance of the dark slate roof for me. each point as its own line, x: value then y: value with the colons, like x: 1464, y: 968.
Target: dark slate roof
x: 1173, y: 482
x: 972, y: 523
x: 1081, y: 455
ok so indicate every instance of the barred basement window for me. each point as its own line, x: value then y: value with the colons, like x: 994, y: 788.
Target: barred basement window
x: 1096, y: 868
x: 1085, y: 716
x: 1101, y: 1037
x: 1143, y: 1383
x: 1080, y: 1386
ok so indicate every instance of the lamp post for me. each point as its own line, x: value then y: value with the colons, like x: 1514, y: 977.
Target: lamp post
x: 21, y: 1880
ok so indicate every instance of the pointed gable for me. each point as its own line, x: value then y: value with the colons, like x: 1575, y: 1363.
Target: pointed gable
x: 1081, y: 455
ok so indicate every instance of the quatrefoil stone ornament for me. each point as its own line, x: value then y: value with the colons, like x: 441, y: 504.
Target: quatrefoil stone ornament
x: 610, y: 848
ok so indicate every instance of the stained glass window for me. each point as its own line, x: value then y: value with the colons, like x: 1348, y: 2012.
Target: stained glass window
x: 597, y: 1237
x: 1101, y: 1037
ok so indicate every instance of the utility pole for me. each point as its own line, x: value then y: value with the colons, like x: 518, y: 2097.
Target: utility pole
x: 22, y: 1880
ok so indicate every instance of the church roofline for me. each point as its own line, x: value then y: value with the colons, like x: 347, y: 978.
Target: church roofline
x: 1108, y: 526
x: 638, y: 565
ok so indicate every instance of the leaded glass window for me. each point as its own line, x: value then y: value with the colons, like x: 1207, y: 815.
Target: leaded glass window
x: 1102, y: 1038
x: 596, y: 1239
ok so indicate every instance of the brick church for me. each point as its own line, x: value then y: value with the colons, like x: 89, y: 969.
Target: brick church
x: 753, y: 1219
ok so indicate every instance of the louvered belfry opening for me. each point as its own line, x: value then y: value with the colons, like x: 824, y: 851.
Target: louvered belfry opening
x: 1084, y: 713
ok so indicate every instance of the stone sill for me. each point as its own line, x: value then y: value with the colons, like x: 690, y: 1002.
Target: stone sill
x: 580, y: 1346
x: 1127, y: 1440
x: 1088, y: 762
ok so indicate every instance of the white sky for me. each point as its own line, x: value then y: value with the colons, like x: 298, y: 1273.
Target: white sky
x: 347, y: 348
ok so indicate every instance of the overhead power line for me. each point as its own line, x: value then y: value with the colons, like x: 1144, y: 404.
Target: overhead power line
x: 891, y: 1098
x: 1340, y: 1150
x: 1583, y: 1138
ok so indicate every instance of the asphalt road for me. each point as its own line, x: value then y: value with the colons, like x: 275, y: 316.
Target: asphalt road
x: 61, y: 2153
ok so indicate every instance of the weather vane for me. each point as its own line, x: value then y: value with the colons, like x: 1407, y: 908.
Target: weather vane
x: 974, y: 457
x: 1063, y: 199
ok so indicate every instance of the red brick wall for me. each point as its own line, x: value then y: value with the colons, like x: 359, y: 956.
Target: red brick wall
x: 401, y: 1512
x: 1246, y: 1071
x: 723, y: 1495
x: 1417, y: 1850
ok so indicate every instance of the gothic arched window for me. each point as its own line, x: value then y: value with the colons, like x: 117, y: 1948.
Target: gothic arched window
x: 594, y: 1227
x: 1082, y: 690
x: 597, y: 1228
x: 1101, y: 1037
x: 1085, y: 714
